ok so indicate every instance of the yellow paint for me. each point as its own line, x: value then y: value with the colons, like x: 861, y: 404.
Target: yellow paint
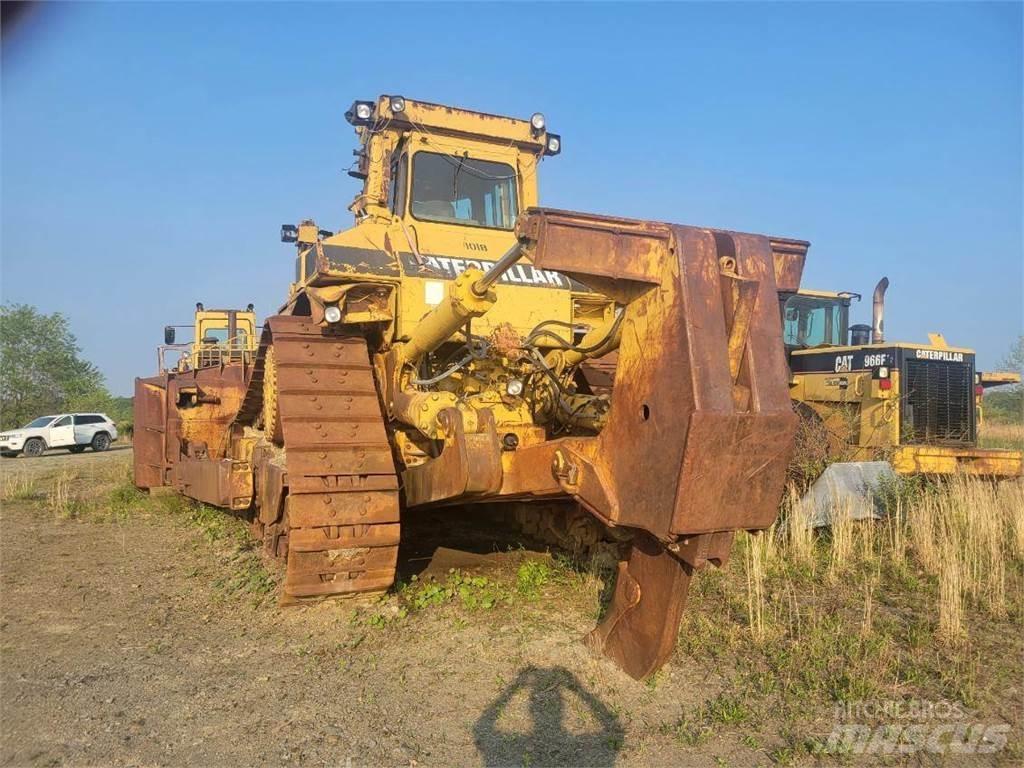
x: 392, y: 231
x: 940, y: 460
x: 213, y: 325
x: 393, y: 250
x: 882, y: 345
x: 868, y: 417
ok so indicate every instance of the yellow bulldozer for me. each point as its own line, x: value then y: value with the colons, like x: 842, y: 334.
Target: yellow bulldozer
x: 219, y: 336
x: 916, y: 405
x: 434, y: 355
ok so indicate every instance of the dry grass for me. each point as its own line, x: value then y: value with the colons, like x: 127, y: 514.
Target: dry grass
x: 755, y: 556
x: 17, y: 486
x: 925, y: 603
x: 994, y: 434
x: 951, y: 588
x: 59, y: 500
x: 968, y: 534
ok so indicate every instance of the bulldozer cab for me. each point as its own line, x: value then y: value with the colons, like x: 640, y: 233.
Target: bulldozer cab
x: 220, y: 336
x: 443, y: 189
x: 437, y: 180
x: 815, y: 319
x: 429, y: 164
x: 223, y: 335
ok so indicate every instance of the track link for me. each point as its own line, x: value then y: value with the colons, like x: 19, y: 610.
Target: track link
x: 340, y: 525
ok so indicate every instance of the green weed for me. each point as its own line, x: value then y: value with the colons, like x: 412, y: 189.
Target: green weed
x: 473, y: 592
x: 531, y: 577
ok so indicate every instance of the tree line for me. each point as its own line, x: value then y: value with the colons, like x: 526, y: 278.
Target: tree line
x: 1007, y: 403
x: 42, y: 370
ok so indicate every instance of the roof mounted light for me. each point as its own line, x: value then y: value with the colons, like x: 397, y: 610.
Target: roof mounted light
x: 397, y: 104
x: 554, y: 145
x: 360, y: 112
x: 538, y: 123
x: 289, y: 233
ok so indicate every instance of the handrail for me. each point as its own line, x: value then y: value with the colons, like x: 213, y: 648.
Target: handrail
x: 196, y: 355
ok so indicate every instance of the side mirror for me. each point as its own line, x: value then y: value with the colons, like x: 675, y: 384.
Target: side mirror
x: 169, y: 334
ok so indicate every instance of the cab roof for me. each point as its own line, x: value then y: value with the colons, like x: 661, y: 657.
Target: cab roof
x: 426, y: 117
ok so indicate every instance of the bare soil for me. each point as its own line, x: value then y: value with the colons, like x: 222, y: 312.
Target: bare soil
x: 118, y: 648
x: 120, y: 645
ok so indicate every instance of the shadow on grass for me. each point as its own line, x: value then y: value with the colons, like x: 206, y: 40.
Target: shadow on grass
x: 546, y: 739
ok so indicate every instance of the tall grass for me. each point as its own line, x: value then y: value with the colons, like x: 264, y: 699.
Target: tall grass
x: 754, y: 557
x: 994, y: 434
x: 59, y: 499
x: 966, y: 534
x: 17, y: 486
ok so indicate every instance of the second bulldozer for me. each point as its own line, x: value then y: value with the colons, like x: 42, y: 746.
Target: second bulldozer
x: 433, y: 355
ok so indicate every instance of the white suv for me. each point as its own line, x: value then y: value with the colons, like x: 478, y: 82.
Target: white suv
x: 74, y: 431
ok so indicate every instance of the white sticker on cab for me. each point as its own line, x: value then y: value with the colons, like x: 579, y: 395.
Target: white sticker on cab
x: 433, y: 292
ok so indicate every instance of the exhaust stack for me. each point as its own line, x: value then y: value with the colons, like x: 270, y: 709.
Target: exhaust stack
x: 878, y: 312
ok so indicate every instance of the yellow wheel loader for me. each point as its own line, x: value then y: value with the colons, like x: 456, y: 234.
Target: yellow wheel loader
x: 433, y: 355
x: 917, y: 405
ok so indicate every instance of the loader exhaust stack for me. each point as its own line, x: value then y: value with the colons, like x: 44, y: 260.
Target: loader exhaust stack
x: 878, y: 312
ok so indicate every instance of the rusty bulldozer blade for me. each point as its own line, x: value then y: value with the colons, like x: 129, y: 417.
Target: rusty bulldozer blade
x: 700, y: 428
x: 639, y: 630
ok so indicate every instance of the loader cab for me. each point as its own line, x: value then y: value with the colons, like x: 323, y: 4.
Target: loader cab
x: 815, y: 319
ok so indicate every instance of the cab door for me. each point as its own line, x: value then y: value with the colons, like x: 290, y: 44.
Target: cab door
x: 62, y: 433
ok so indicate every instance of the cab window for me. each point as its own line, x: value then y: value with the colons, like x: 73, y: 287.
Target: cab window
x: 812, y: 322
x: 463, y: 190
x: 215, y: 335
x: 65, y: 422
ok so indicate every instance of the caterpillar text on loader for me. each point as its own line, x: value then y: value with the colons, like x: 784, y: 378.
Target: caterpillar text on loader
x: 917, y: 404
x: 431, y: 355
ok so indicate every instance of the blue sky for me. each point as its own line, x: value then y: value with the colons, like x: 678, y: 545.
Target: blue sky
x: 151, y: 151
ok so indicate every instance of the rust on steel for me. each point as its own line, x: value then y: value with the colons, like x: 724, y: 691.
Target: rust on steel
x: 700, y: 429
x: 338, y: 526
x: 193, y: 408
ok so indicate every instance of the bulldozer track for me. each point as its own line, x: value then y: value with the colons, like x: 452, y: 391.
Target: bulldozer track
x: 340, y: 524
